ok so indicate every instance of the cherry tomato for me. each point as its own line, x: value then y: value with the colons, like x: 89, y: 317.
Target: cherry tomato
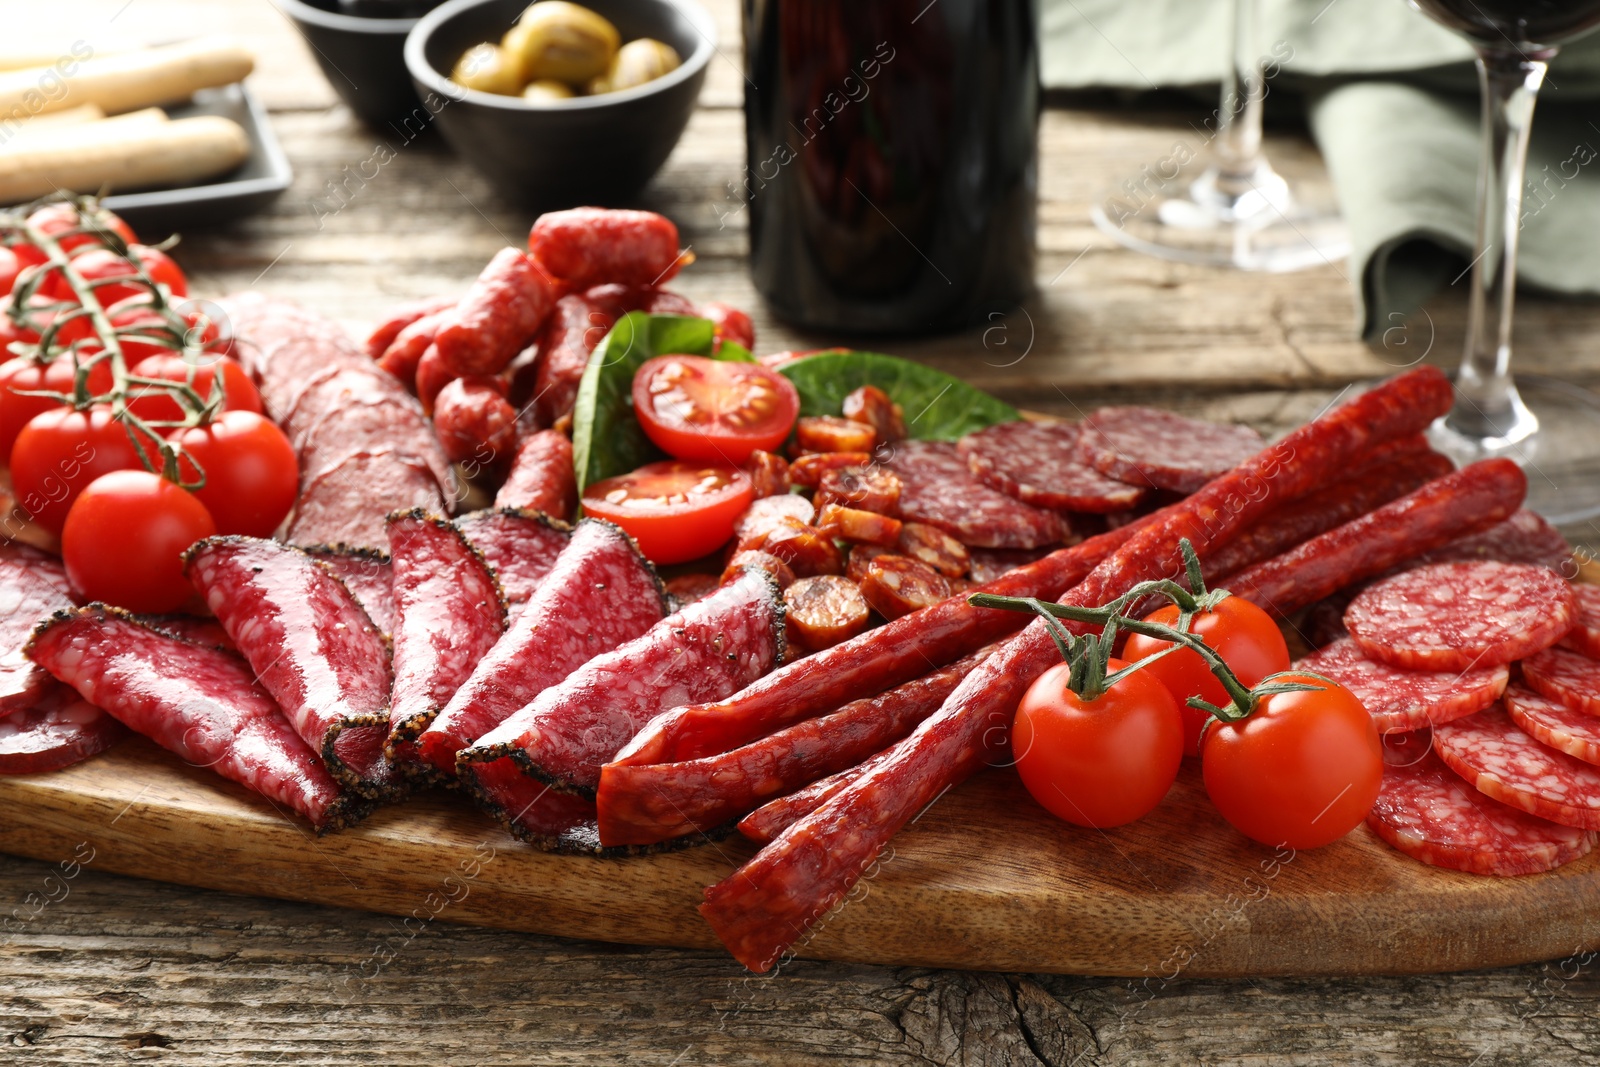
x: 78, y: 328
x: 676, y: 511
x: 1300, y: 771
x: 135, y: 313
x: 20, y: 374
x: 251, y: 472
x: 58, y: 218
x: 156, y: 404
x: 10, y: 265
x: 124, y: 540
x: 1244, y: 636
x: 1100, y: 763
x: 101, y: 264
x: 711, y: 411
x: 61, y: 451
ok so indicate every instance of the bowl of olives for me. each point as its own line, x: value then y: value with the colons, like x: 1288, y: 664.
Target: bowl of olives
x: 560, y: 104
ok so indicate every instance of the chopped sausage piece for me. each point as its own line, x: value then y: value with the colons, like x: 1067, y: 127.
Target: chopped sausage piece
x: 404, y: 352
x: 899, y: 585
x: 936, y: 548
x: 475, y: 424
x: 806, y: 549
x: 769, y: 473
x: 766, y: 561
x: 861, y: 557
x: 872, y: 406
x: 499, y: 317
x: 869, y: 489
x: 807, y: 470
x: 587, y: 246
x: 859, y: 527
x: 824, y: 610
x: 401, y: 317
x: 768, y: 513
x: 829, y: 433
x: 541, y: 477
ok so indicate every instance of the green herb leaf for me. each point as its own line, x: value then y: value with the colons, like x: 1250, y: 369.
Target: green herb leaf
x: 606, y: 437
x: 937, y: 407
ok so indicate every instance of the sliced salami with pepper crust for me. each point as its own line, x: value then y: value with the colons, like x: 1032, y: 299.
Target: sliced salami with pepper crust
x: 710, y: 649
x: 312, y: 647
x: 1400, y: 700
x: 937, y: 487
x: 29, y: 594
x: 520, y: 546
x: 1497, y: 758
x: 1563, y: 728
x: 451, y: 612
x: 1162, y: 449
x: 59, y: 729
x: 348, y: 504
x: 1039, y: 463
x: 1564, y: 675
x: 1585, y: 635
x: 1427, y: 812
x: 199, y: 702
x: 562, y: 627
x: 1455, y: 616
x: 641, y: 805
x: 368, y: 575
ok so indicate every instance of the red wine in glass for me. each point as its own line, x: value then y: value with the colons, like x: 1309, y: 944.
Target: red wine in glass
x: 1550, y: 427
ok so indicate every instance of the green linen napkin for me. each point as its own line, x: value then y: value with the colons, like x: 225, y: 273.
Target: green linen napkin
x: 1391, y: 99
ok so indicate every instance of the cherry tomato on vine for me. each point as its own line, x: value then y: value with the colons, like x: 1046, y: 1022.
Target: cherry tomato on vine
x: 58, y: 218
x: 10, y: 266
x: 102, y: 264
x: 676, y: 511
x: 59, y: 452
x: 124, y: 540
x: 713, y: 411
x: 1102, y: 762
x: 1302, y: 770
x: 1244, y: 636
x: 156, y: 404
x: 134, y: 312
x: 251, y: 472
x: 58, y: 376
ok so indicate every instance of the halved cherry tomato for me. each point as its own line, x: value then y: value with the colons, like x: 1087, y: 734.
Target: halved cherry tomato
x: 124, y: 540
x: 19, y: 374
x: 1246, y: 638
x: 59, y: 452
x: 251, y: 472
x: 676, y: 511
x: 1103, y: 762
x: 713, y: 411
x: 101, y: 264
x: 1302, y: 770
x: 157, y: 404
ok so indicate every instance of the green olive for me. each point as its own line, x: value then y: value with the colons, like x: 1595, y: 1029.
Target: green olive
x: 637, y: 62
x: 543, y: 92
x: 558, y: 41
x: 486, y: 68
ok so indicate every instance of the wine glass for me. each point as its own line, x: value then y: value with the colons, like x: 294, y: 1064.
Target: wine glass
x: 1237, y: 211
x: 1552, y: 428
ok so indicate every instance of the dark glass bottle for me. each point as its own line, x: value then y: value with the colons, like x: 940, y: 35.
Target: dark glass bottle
x: 892, y: 172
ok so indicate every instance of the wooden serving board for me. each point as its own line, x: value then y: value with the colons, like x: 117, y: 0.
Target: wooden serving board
x: 984, y: 879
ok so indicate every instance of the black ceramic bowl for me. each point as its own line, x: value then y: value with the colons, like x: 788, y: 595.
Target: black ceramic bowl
x: 588, y: 150
x: 362, y: 58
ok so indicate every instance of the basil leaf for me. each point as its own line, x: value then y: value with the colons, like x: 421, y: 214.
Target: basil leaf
x: 937, y: 407
x: 606, y: 437
x: 733, y: 352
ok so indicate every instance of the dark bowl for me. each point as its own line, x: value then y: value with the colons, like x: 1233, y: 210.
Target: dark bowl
x: 362, y: 58
x: 588, y: 150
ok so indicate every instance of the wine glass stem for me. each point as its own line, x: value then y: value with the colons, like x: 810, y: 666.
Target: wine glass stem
x: 1487, y: 405
x: 1238, y: 145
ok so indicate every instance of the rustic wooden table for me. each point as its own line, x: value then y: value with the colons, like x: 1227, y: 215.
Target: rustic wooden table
x: 128, y: 970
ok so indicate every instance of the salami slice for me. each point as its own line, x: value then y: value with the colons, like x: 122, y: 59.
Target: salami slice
x: 332, y: 389
x: 1493, y: 754
x: 371, y: 425
x: 1039, y: 463
x: 284, y: 346
x: 366, y: 572
x: 312, y: 648
x: 558, y: 631
x: 937, y: 487
x: 1565, y: 729
x: 645, y: 804
x: 348, y: 504
x: 1454, y: 616
x: 451, y: 613
x: 1401, y: 700
x: 1585, y: 636
x: 16, y: 556
x: 1567, y: 676
x: 199, y: 629
x: 28, y: 596
x: 708, y: 650
x: 1525, y: 537
x: 58, y: 730
x: 1162, y: 449
x: 520, y: 546
x: 199, y: 702
x: 1427, y: 812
